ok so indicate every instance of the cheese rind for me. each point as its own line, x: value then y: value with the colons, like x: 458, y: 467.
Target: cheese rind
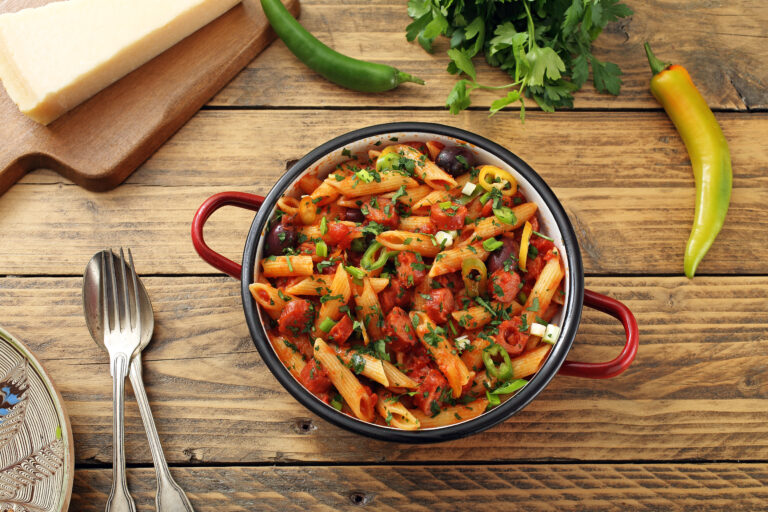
x: 52, y: 58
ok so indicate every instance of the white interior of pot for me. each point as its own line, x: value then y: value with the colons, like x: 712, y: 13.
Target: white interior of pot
x: 324, y: 165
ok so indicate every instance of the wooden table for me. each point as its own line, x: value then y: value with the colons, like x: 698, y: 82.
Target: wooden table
x: 685, y: 428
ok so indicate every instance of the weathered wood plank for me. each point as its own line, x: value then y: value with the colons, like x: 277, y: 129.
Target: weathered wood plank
x: 624, y: 178
x: 720, y: 43
x: 698, y: 389
x: 550, y: 487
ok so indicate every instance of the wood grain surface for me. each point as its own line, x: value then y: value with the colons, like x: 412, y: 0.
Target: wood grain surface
x: 100, y: 142
x: 722, y: 44
x: 624, y: 179
x: 685, y: 428
x: 697, y: 389
x: 536, y: 488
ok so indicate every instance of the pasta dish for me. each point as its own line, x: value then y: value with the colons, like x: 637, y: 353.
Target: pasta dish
x: 411, y: 287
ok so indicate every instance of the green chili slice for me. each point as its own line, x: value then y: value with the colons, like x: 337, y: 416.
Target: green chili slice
x: 510, y: 387
x: 475, y: 276
x: 501, y: 372
x: 327, y: 324
x: 368, y: 262
x: 505, y: 215
x: 387, y: 161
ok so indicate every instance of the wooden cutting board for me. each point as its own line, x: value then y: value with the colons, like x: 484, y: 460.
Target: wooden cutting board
x: 102, y: 141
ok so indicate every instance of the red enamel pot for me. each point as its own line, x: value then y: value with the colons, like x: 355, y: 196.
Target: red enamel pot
x: 554, y: 222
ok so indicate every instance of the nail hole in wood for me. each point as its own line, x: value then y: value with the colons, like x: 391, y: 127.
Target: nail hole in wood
x: 360, y: 499
x: 305, y: 426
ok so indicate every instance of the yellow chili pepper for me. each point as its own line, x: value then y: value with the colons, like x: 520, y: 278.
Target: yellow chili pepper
x: 525, y: 241
x: 498, y: 177
x: 707, y: 148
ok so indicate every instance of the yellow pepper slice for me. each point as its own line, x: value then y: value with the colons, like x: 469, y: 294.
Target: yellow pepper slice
x: 498, y: 177
x: 525, y: 241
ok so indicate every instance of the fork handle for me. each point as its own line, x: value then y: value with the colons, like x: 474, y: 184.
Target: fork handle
x: 119, y: 498
x: 170, y: 497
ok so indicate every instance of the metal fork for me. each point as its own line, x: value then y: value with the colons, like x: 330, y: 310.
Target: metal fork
x: 122, y: 338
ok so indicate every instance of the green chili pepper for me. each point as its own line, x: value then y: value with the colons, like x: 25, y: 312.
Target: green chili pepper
x: 502, y: 371
x: 351, y: 73
x: 475, y: 276
x: 367, y: 261
x: 707, y: 148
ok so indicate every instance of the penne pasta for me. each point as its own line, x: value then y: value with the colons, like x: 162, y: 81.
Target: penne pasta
x: 369, y: 310
x: 545, y: 287
x: 354, y: 394
x: 424, y: 168
x: 472, y: 318
x: 371, y: 367
x: 452, y: 414
x: 491, y: 226
x: 320, y: 284
x: 337, y: 297
x: 450, y: 260
x: 434, y: 197
x: 325, y: 193
x: 433, y: 339
x: 420, y: 243
x: 292, y: 359
x: 352, y: 186
x: 396, y: 378
x: 289, y: 205
x: 410, y: 196
x: 268, y: 298
x: 396, y: 415
x: 287, y: 266
x: 529, y: 362
x: 416, y: 223
x: 313, y: 232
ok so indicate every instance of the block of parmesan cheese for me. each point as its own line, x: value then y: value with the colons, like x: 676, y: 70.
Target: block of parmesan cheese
x: 54, y: 57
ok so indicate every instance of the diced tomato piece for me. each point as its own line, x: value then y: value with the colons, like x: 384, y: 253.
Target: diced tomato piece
x: 340, y: 332
x: 451, y: 281
x: 440, y: 305
x: 295, y: 318
x: 504, y: 286
x: 411, y: 269
x: 395, y: 294
x: 368, y: 404
x: 338, y: 235
x: 420, y: 146
x: 448, y: 219
x: 417, y: 362
x: 488, y: 206
x: 541, y: 244
x: 399, y: 327
x: 307, y: 248
x: 427, y: 397
x: 434, y: 148
x: 315, y: 378
x: 510, y: 338
x: 381, y: 211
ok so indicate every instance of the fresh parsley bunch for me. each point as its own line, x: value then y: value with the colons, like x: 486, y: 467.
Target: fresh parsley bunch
x: 544, y: 45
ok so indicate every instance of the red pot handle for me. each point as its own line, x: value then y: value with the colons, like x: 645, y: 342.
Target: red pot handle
x: 213, y: 203
x: 612, y: 368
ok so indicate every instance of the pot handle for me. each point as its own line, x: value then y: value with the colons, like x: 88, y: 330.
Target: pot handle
x: 213, y: 203
x: 615, y: 367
